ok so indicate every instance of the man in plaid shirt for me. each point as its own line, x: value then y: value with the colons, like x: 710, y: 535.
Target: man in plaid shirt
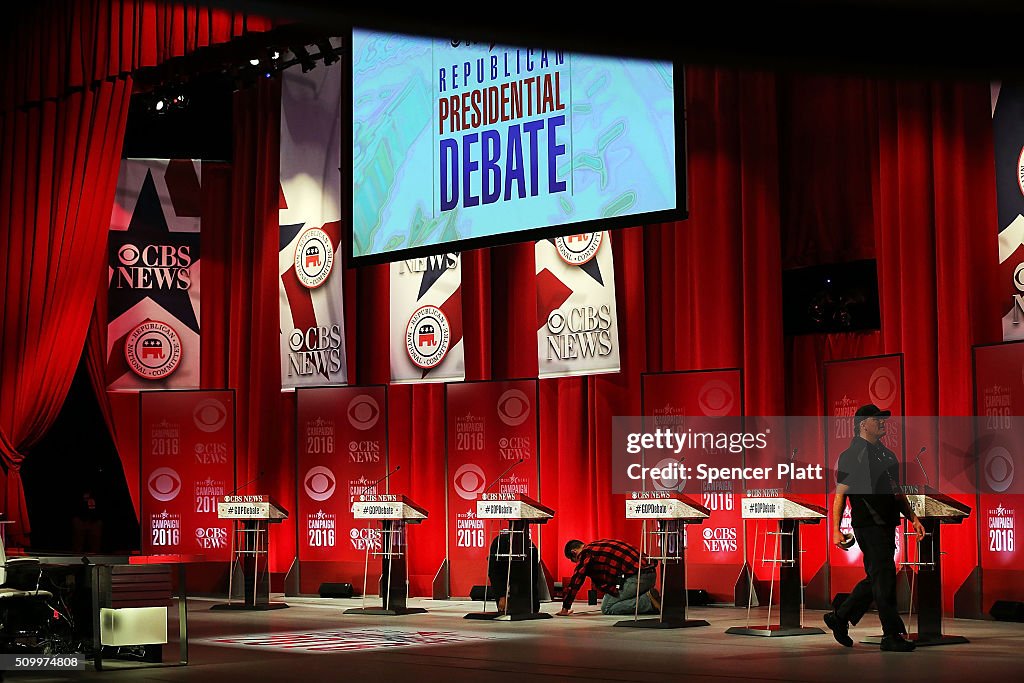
x: 616, y: 570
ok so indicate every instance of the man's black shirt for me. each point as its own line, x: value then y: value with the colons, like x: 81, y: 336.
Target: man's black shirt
x: 872, y: 473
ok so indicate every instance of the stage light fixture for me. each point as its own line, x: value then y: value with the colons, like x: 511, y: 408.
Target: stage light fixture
x: 160, y: 104
x: 327, y: 52
x: 302, y: 55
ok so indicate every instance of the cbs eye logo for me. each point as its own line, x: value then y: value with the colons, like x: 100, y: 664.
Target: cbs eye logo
x: 319, y: 483
x: 668, y: 483
x: 716, y: 398
x: 469, y: 481
x: 513, y: 407
x: 128, y: 254
x: 882, y: 388
x: 209, y: 415
x: 363, y: 412
x: 998, y: 469
x: 164, y: 484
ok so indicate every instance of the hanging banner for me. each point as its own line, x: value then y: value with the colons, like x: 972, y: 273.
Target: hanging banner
x: 702, y: 401
x: 426, y: 320
x: 850, y: 384
x: 491, y: 427
x: 187, y: 463
x: 309, y: 261
x: 999, y: 395
x: 342, y: 453
x: 153, y: 275
x: 1008, y: 142
x: 577, y: 327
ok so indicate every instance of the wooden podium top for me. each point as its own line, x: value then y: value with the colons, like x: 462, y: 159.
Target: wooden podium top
x: 257, y: 507
x: 512, y: 506
x: 780, y: 507
x: 387, y: 506
x: 665, y: 506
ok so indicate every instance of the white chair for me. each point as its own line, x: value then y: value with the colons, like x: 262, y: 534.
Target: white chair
x: 20, y: 577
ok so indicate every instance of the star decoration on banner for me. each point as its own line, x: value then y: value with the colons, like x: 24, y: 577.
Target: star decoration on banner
x: 149, y: 226
x: 288, y: 233
x: 435, y: 269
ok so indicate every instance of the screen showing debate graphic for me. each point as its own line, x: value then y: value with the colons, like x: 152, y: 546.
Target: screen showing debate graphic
x: 458, y: 144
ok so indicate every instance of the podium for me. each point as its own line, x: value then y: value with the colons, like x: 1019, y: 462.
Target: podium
x: 520, y: 511
x: 934, y: 510
x: 250, y: 549
x: 791, y: 514
x: 671, y: 512
x: 395, y: 513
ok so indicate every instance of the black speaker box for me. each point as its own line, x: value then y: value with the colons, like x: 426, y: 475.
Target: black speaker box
x: 697, y: 597
x: 835, y: 297
x: 1007, y: 610
x: 335, y: 590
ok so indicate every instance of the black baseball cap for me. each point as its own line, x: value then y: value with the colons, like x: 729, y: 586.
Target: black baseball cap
x: 869, y: 410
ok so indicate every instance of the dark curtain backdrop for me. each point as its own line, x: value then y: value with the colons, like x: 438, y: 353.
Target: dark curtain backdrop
x: 783, y: 171
x: 66, y: 85
x: 904, y: 175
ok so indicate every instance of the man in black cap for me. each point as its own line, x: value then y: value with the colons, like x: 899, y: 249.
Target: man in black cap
x: 868, y: 476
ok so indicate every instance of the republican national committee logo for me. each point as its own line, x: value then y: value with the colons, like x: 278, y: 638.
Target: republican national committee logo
x: 427, y: 337
x: 580, y: 248
x: 314, y: 258
x: 153, y: 350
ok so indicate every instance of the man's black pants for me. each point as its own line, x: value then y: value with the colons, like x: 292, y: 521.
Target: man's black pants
x: 877, y: 544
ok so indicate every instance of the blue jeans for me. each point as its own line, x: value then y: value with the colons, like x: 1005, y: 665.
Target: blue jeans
x: 626, y: 602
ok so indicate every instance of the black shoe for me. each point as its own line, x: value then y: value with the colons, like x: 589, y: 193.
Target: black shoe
x: 840, y: 629
x: 897, y: 643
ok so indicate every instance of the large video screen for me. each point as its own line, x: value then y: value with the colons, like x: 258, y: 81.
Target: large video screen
x: 459, y: 145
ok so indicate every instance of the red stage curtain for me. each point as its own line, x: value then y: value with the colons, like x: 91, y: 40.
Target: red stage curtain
x: 249, y: 336
x: 54, y: 47
x: 704, y: 293
x: 827, y: 153
x: 918, y: 156
x: 56, y: 189
x: 699, y: 294
x: 935, y: 211
x: 66, y: 88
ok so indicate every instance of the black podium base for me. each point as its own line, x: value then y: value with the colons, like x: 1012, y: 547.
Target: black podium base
x: 381, y: 612
x: 244, y: 607
x: 501, y: 616
x: 660, y: 623
x: 922, y: 640
x: 774, y: 631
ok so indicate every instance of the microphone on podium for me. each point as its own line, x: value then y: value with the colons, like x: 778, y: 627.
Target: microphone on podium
x: 789, y: 481
x: 374, y: 484
x: 254, y: 479
x: 502, y: 475
x: 927, y: 481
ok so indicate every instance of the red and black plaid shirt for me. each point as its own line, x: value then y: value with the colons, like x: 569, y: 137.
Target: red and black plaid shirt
x: 605, y: 561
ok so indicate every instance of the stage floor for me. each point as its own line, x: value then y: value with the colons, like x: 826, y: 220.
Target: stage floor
x: 314, y: 641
